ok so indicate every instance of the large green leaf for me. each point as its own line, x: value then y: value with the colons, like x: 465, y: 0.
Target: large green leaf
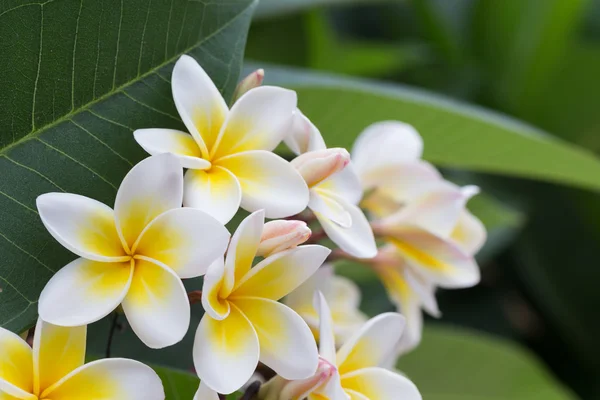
x: 453, y: 364
x: 455, y: 134
x: 77, y: 79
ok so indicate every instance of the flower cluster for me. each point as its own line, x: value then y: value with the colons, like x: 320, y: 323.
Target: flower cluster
x: 167, y: 224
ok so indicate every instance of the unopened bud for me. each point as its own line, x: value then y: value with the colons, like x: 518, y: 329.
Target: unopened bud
x: 281, y: 389
x: 316, y: 166
x: 281, y: 235
x: 252, y: 81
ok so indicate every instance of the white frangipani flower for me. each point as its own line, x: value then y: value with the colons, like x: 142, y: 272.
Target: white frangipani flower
x: 244, y: 322
x: 134, y: 255
x: 359, y: 374
x: 228, y: 152
x: 343, y: 297
x: 334, y: 189
x: 54, y: 369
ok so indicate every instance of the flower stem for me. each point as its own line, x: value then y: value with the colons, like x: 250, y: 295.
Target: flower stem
x: 195, y: 296
x: 251, y: 391
x: 114, y: 324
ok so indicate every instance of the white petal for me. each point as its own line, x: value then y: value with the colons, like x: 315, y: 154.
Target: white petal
x: 327, y: 348
x: 84, y: 226
x: 370, y: 346
x: 304, y: 135
x: 469, y: 233
x: 303, y: 296
x: 113, y: 378
x: 215, y: 191
x: 259, y: 120
x: 157, y: 306
x: 385, y: 143
x: 268, y: 182
x: 403, y: 182
x: 344, y: 184
x: 205, y: 393
x: 181, y: 144
x: 381, y: 384
x: 329, y: 207
x: 287, y: 345
x: 215, y: 305
x: 184, y: 239
x: 198, y: 102
x: 358, y: 240
x: 226, y: 352
x: 153, y: 186
x: 84, y: 291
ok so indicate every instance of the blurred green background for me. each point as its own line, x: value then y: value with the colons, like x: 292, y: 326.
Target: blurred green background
x: 536, y: 60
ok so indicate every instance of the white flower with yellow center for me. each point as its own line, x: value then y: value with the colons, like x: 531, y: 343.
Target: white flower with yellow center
x: 342, y: 295
x: 55, y: 369
x: 335, y: 189
x: 244, y: 322
x: 134, y: 255
x: 359, y: 374
x: 228, y: 152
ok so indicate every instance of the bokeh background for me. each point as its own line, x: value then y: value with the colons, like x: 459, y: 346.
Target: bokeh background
x: 536, y: 60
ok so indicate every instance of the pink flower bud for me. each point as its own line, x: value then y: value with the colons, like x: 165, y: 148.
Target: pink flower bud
x: 302, y: 388
x: 252, y: 81
x: 281, y: 235
x: 316, y: 166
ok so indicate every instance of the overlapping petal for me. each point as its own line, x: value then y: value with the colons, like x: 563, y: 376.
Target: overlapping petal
x: 304, y: 135
x: 469, y: 233
x: 157, y: 305
x: 113, y: 378
x: 82, y: 225
x: 16, y: 367
x: 216, y: 306
x: 344, y: 184
x: 57, y: 351
x: 329, y: 207
x: 185, y: 239
x: 286, y: 343
x: 84, y: 291
x: 327, y: 348
x: 380, y: 384
x: 226, y: 352
x: 198, y: 101
x: 259, y: 120
x: 205, y: 393
x: 153, y: 186
x: 159, y: 141
x: 216, y: 191
x: 268, y: 182
x: 280, y: 274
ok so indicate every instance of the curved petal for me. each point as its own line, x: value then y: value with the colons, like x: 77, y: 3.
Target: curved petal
x: 329, y: 207
x: 216, y: 306
x: 259, y: 120
x: 157, y: 306
x: 372, y: 344
x: 16, y: 365
x: 353, y: 395
x: 469, y: 233
x: 381, y: 384
x: 344, y: 184
x: 82, y: 225
x: 205, y: 393
x: 326, y: 339
x: 184, y: 239
x: 153, y: 186
x: 181, y: 144
x: 304, y: 135
x: 198, y: 102
x: 438, y: 260
x: 302, y: 298
x: 406, y: 181
x: 242, y: 250
x: 287, y: 345
x: 358, y: 240
x: 281, y: 273
x: 84, y: 291
x: 57, y: 351
x: 113, y: 378
x: 268, y: 182
x: 226, y: 352
x: 386, y: 143
x: 216, y: 191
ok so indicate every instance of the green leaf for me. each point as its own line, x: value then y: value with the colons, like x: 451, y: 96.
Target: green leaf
x: 456, y: 135
x: 181, y: 385
x: 453, y: 364
x: 272, y: 8
x: 77, y: 79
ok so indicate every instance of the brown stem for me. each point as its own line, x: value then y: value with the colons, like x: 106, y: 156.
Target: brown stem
x: 195, y: 296
x: 251, y: 391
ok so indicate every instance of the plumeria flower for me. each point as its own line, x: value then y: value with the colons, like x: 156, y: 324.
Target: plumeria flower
x: 358, y: 374
x: 244, y: 323
x: 342, y: 295
x: 334, y: 189
x: 134, y: 255
x: 228, y: 151
x: 54, y: 369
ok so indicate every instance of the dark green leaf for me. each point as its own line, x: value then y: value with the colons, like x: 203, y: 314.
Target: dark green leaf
x: 77, y: 79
